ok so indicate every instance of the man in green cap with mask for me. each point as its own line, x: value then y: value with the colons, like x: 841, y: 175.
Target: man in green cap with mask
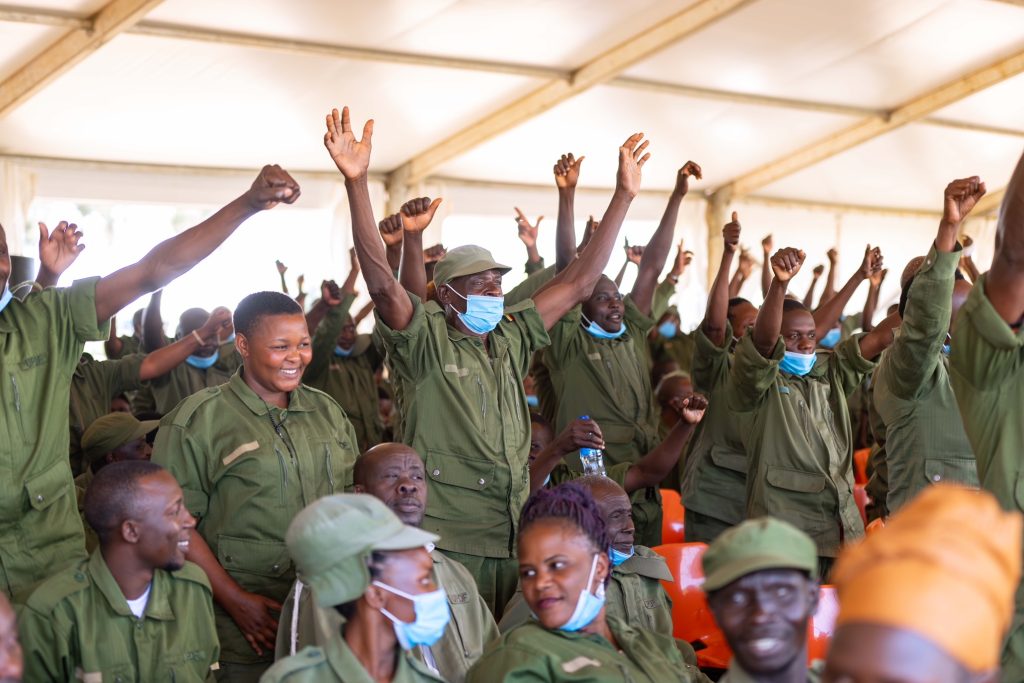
x: 360, y: 559
x: 761, y: 579
x: 458, y: 365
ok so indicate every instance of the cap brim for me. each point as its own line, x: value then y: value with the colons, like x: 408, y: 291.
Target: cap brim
x: 471, y: 268
x: 755, y: 563
x: 145, y: 427
x: 408, y: 537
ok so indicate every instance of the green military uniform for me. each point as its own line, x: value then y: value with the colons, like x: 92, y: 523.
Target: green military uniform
x: 336, y: 662
x: 77, y: 626
x: 530, y: 286
x: 633, y: 595
x: 93, y: 386
x: 714, y: 470
x: 680, y: 349
x: 987, y: 374
x: 800, y: 466
x: 925, y: 439
x: 608, y: 380
x: 130, y: 345
x: 532, y: 653
x: 464, y: 410
x: 877, y: 487
x: 244, y: 481
x: 471, y: 627
x: 736, y: 674
x: 349, y: 380
x: 42, y: 340
x: 663, y: 294
x: 161, y: 394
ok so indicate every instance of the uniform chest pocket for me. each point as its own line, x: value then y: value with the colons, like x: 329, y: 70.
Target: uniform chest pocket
x: 959, y: 470
x: 617, y: 433
x: 333, y: 462
x: 453, y: 477
x: 263, y: 558
x: 796, y: 480
x: 192, y: 666
x: 729, y: 459
x: 45, y: 488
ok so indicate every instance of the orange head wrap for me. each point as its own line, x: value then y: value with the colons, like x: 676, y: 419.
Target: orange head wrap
x: 945, y: 567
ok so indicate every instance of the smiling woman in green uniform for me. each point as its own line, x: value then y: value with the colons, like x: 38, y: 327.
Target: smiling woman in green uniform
x: 564, y: 567
x: 359, y: 558
x: 250, y: 454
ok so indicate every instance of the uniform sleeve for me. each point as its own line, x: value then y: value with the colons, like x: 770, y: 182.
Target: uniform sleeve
x: 663, y: 293
x: 45, y: 654
x: 639, y: 324
x: 530, y: 286
x: 324, y: 340
x: 913, y: 355
x: 81, y: 305
x: 986, y: 351
x: 123, y: 375
x: 534, y: 266
x: 510, y: 664
x: 175, y: 451
x: 566, y: 339
x: 523, y: 326
x: 849, y: 365
x: 752, y: 374
x: 408, y: 350
x: 710, y: 370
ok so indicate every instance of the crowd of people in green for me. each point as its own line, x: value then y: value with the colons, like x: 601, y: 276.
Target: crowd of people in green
x: 473, y: 492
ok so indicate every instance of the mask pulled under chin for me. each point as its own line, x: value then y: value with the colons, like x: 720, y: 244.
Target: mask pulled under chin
x: 5, y: 298
x: 588, y: 605
x: 596, y: 330
x: 432, y: 617
x: 203, y: 363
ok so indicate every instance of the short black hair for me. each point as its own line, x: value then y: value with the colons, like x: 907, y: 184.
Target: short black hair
x: 537, y: 418
x: 253, y: 308
x: 736, y: 301
x: 793, y: 305
x: 375, y: 563
x: 113, y: 495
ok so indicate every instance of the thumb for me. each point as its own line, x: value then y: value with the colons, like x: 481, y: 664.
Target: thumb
x: 539, y: 219
x: 735, y: 217
x: 580, y: 161
x: 44, y: 233
x: 433, y: 207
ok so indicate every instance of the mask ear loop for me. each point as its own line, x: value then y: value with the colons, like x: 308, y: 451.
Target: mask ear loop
x: 599, y: 592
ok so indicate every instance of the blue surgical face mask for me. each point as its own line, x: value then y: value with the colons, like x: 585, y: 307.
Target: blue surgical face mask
x: 946, y: 348
x: 432, y: 616
x: 5, y: 298
x: 547, y: 480
x: 668, y: 329
x: 619, y: 557
x: 532, y: 400
x: 202, y: 363
x: 342, y: 353
x: 797, y: 363
x: 596, y: 330
x: 483, y: 313
x: 588, y: 606
x: 831, y: 339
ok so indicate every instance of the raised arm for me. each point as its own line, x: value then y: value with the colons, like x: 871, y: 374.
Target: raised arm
x: 967, y: 265
x: 218, y: 326
x: 650, y: 470
x: 576, y: 282
x: 331, y: 296
x: 867, y: 316
x: 176, y: 256
x: 352, y: 158
x: 415, y: 216
x: 766, y: 265
x: 1004, y: 284
x: 153, y: 324
x: 809, y: 296
x: 785, y: 264
x: 567, y: 174
x: 830, y: 281
x: 653, y: 261
x: 113, y: 346
x: 634, y: 254
x: 528, y: 235
x: 281, y: 270
x: 580, y: 433
x: 827, y: 314
x: 716, y: 317
x: 362, y: 313
x: 742, y: 274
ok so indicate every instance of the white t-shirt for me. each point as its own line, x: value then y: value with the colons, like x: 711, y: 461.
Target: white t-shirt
x: 138, y: 605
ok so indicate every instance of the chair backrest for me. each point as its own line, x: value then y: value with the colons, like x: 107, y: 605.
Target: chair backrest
x: 673, y: 526
x: 692, y: 620
x: 822, y: 624
x: 876, y: 524
x: 860, y: 496
x: 860, y: 465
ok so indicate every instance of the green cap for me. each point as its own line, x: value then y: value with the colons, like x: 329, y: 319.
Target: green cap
x: 112, y: 431
x: 331, y: 540
x: 465, y: 260
x: 756, y: 544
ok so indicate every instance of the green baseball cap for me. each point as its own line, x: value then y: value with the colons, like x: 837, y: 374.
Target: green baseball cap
x: 756, y: 544
x: 465, y: 260
x: 330, y: 542
x: 112, y: 431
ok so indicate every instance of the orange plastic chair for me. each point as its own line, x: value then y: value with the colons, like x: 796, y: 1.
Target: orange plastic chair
x: 822, y: 624
x: 862, y: 500
x: 875, y: 525
x: 673, y: 526
x: 860, y: 465
x: 692, y: 620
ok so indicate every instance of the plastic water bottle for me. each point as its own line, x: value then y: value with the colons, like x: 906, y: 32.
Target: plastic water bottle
x: 592, y: 459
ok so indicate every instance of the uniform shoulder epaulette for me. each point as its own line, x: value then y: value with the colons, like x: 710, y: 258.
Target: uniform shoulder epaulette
x: 193, y: 573
x: 54, y: 590
x: 305, y: 658
x: 183, y: 412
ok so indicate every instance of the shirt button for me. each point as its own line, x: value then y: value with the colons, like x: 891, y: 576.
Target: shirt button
x: 436, y: 472
x: 276, y: 567
x: 228, y: 558
x: 937, y: 477
x: 481, y: 481
x: 39, y: 498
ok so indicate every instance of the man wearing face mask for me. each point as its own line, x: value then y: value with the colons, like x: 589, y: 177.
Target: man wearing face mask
x: 359, y: 559
x: 762, y: 587
x: 798, y: 440
x: 393, y: 473
x: 599, y: 362
x: 458, y: 365
x: 925, y: 439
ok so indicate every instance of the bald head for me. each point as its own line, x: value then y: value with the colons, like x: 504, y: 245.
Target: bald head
x: 616, y: 509
x: 394, y: 473
x: 911, y: 270
x: 674, y: 385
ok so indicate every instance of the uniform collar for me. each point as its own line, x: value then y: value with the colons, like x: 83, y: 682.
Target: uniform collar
x: 297, y: 402
x: 158, y: 606
x: 347, y: 667
x: 646, y: 563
